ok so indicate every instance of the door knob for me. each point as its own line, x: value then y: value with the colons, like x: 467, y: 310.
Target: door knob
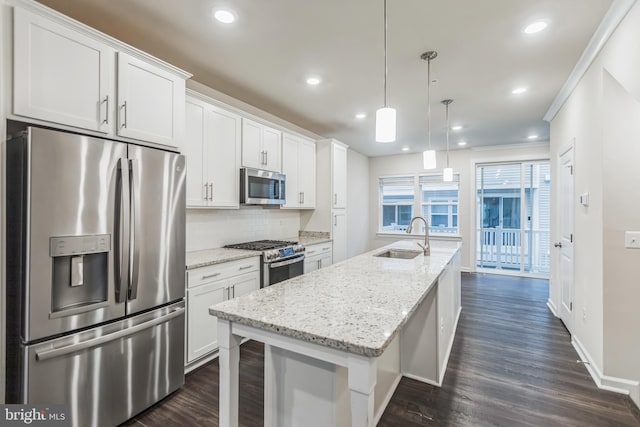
x: 557, y: 244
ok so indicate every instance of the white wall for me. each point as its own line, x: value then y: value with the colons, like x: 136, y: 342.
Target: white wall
x: 215, y: 228
x: 462, y: 162
x: 603, y: 115
x: 357, y: 203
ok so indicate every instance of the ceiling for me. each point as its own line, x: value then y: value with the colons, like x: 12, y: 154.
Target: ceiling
x: 265, y: 57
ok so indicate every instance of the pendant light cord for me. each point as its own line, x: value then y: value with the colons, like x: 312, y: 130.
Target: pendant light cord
x: 429, y: 101
x: 447, y: 133
x: 385, y: 53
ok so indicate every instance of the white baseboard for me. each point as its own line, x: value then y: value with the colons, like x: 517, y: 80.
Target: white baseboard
x: 422, y: 379
x: 465, y: 269
x: 552, y: 308
x: 606, y: 382
x: 199, y: 362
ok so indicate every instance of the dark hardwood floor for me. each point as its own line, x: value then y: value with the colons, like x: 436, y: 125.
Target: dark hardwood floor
x: 511, y: 365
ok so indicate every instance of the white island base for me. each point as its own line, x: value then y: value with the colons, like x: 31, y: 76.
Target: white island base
x: 316, y: 385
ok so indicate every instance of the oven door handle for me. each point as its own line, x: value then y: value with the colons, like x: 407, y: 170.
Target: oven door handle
x: 287, y: 262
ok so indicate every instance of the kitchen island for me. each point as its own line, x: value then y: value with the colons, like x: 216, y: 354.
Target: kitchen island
x: 338, y: 340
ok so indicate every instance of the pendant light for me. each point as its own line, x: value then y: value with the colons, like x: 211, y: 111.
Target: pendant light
x: 385, y: 116
x: 429, y: 156
x: 447, y: 173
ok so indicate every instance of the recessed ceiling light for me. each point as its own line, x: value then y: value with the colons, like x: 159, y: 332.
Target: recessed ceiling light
x: 519, y: 90
x: 462, y: 143
x: 225, y: 16
x: 313, y: 81
x: 535, y: 27
x: 456, y: 127
x: 405, y: 148
x: 533, y: 137
x: 361, y: 116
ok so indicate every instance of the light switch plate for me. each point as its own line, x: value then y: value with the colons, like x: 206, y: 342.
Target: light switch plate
x: 632, y: 239
x: 584, y: 199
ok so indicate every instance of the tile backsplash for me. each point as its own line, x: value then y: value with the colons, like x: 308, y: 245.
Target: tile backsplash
x: 208, y: 229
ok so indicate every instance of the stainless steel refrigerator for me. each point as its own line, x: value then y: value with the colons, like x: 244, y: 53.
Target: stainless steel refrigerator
x: 95, y: 274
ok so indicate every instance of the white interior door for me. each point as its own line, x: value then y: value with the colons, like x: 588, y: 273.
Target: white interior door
x: 565, y: 243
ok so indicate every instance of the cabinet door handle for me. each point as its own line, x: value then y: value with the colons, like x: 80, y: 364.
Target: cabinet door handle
x: 319, y: 264
x: 211, y: 191
x: 124, y: 107
x: 266, y: 157
x: 335, y: 198
x: 206, y: 192
x: 335, y: 220
x: 302, y: 197
x: 245, y: 267
x: 233, y: 288
x: 209, y: 276
x: 106, y: 110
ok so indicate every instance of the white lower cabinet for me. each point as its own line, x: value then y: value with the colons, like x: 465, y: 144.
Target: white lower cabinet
x: 208, y: 286
x: 318, y: 256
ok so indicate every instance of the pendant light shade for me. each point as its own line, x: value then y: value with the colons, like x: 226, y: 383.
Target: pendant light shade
x: 385, y: 116
x: 386, y: 124
x: 429, y: 159
x: 447, y: 173
x: 429, y: 156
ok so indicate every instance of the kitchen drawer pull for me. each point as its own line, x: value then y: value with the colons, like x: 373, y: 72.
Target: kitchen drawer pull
x: 327, y: 248
x: 245, y: 267
x: 311, y: 252
x: 209, y: 276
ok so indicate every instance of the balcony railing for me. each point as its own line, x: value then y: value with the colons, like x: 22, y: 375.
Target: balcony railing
x: 500, y: 248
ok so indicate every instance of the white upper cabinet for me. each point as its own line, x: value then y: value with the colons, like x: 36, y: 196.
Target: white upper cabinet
x: 307, y: 173
x: 68, y: 74
x: 193, y: 150
x: 261, y: 146
x: 61, y: 75
x: 339, y: 179
x: 212, y: 150
x: 299, y: 166
x: 150, y: 102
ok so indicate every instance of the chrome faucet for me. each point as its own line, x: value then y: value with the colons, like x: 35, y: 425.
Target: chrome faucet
x: 426, y: 248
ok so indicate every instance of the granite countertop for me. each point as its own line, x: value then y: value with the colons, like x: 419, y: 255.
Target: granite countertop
x: 357, y: 305
x: 311, y: 240
x: 207, y: 257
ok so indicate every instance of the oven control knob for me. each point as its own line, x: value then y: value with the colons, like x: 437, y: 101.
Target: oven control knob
x: 298, y: 248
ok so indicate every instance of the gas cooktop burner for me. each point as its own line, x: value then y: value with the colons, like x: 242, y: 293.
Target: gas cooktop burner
x: 262, y: 245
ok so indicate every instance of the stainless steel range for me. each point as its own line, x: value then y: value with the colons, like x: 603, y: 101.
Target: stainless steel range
x: 281, y: 260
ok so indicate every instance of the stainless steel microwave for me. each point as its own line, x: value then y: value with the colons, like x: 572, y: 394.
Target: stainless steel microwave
x: 259, y: 187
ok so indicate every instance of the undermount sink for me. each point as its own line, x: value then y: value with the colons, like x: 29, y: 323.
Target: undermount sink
x: 399, y: 253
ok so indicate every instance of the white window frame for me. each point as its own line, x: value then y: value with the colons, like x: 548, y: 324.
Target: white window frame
x: 449, y: 203
x: 418, y: 203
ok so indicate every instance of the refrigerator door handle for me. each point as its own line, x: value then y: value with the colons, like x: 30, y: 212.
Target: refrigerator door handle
x: 134, y: 254
x: 57, y: 352
x: 122, y: 240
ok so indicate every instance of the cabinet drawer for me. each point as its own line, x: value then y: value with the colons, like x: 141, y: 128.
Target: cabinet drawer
x: 222, y: 271
x: 318, y: 249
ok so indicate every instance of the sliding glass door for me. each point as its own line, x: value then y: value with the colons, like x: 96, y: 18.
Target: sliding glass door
x: 513, y: 217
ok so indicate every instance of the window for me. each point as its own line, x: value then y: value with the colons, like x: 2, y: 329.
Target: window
x: 397, y: 197
x: 440, y: 203
x: 403, y: 197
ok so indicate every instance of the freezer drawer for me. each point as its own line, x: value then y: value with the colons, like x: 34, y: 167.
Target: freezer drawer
x: 108, y: 374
